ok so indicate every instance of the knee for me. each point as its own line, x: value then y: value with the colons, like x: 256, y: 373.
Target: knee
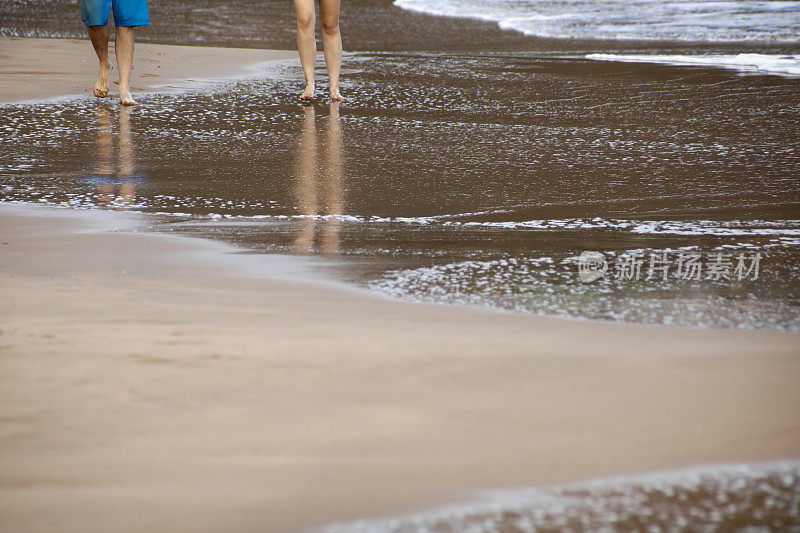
x: 306, y: 22
x: 330, y: 27
x: 124, y: 33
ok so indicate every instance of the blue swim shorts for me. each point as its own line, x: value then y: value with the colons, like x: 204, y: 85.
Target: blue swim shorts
x: 126, y: 12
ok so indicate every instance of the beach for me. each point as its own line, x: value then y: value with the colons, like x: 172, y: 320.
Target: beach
x: 223, y: 309
x: 36, y: 69
x: 150, y: 372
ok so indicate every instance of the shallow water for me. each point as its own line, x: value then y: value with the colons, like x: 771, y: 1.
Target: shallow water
x: 459, y: 179
x: 761, y: 497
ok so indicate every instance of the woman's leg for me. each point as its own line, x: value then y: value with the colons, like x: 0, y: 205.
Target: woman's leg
x: 332, y: 42
x: 306, y: 43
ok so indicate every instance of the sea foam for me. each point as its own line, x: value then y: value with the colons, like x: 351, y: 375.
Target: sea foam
x: 712, y: 498
x: 770, y: 64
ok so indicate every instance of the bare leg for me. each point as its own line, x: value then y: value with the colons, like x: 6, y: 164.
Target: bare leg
x: 124, y: 48
x: 99, y: 37
x: 332, y: 43
x: 306, y: 43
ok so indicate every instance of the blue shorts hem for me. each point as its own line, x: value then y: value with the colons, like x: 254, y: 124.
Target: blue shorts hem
x: 131, y: 23
x: 127, y: 13
x: 123, y: 24
x: 96, y: 22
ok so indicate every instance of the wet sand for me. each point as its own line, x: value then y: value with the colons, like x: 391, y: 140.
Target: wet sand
x: 35, y: 69
x: 154, y: 382
x: 508, y: 168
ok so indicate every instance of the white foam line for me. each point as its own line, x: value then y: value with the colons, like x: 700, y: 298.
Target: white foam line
x: 779, y: 228
x: 784, y: 65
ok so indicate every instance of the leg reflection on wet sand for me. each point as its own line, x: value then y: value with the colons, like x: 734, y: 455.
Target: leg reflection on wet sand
x: 306, y: 189
x: 119, y: 188
x: 319, y: 186
x: 104, y: 166
x: 332, y: 181
x: 126, y: 171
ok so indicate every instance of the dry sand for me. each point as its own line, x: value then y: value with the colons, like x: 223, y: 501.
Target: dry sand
x: 149, y: 383
x: 34, y: 69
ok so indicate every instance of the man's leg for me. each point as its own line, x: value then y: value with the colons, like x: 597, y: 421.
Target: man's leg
x: 99, y: 38
x: 306, y: 43
x: 332, y: 42
x: 124, y: 47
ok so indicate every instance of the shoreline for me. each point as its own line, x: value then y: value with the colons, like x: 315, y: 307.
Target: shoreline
x: 144, y: 368
x: 30, y: 72
x: 496, y: 507
x: 309, y: 269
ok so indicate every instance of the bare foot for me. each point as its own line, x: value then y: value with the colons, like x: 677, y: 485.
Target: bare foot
x: 126, y: 99
x: 308, y: 94
x: 101, y: 87
x: 336, y: 97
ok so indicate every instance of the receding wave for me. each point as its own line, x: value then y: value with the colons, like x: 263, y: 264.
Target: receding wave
x: 681, y: 20
x: 769, y: 64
